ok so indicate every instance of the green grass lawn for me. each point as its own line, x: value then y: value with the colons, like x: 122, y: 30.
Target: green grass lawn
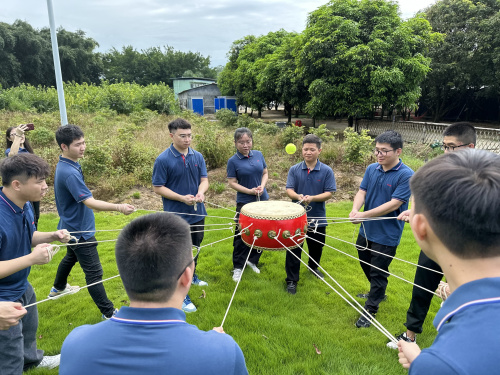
x: 276, y: 331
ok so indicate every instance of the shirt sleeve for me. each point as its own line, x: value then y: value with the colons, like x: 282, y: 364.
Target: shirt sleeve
x: 402, y: 191
x: 290, y: 180
x: 239, y: 362
x: 203, y: 167
x: 330, y: 184
x: 263, y: 161
x: 428, y: 363
x: 231, y: 169
x: 366, y: 179
x: 77, y: 188
x: 159, y: 173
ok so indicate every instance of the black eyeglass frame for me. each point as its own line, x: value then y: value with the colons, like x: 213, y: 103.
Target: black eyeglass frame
x: 191, y: 261
x: 445, y: 147
x: 382, y: 152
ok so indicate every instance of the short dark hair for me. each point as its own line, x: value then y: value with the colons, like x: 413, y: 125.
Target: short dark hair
x: 392, y: 137
x: 240, y: 132
x: 8, y: 142
x: 464, y: 131
x: 178, y: 123
x: 459, y: 193
x: 22, y: 167
x: 151, y: 252
x: 67, y: 134
x: 312, y: 138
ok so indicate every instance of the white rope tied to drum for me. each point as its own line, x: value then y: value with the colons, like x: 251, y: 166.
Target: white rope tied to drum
x: 363, y: 312
x: 216, y: 205
x: 238, y: 283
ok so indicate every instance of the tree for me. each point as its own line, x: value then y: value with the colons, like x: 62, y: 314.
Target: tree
x: 465, y: 75
x: 359, y: 54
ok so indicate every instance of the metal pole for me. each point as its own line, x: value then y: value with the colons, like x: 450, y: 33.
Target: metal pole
x: 57, y: 65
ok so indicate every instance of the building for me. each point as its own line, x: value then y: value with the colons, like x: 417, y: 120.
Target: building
x: 186, y: 83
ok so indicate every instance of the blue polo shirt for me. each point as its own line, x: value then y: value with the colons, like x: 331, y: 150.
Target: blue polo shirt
x: 381, y: 187
x: 149, y: 341
x: 181, y: 174
x: 21, y: 150
x: 16, y: 231
x: 248, y: 173
x: 70, y: 191
x: 312, y: 182
x: 467, y: 340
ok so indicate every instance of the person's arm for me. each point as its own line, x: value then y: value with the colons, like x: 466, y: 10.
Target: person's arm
x: 39, y: 255
x: 99, y: 205
x: 10, y: 314
x: 263, y: 182
x: 404, y: 216
x: 381, y: 210
x: 173, y: 196
x: 359, y: 201
x: 19, y: 132
x: 202, y: 189
x: 233, y: 184
x: 61, y: 235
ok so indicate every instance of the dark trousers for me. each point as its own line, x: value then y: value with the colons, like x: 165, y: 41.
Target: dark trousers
x: 421, y: 299
x: 18, y: 350
x: 197, y: 234
x: 377, y: 278
x: 88, y: 258
x: 240, y: 248
x: 292, y: 264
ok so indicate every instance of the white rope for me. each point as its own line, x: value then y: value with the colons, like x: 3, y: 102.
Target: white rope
x: 239, y: 234
x: 238, y: 283
x: 363, y: 312
x: 371, y: 265
x: 183, y: 213
x: 76, y: 291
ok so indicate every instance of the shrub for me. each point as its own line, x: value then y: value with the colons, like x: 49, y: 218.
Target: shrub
x: 290, y: 134
x: 215, y: 145
x: 217, y: 187
x: 97, y: 161
x: 325, y: 134
x: 159, y: 98
x: 226, y: 117
x: 357, y: 146
x: 42, y: 137
x: 245, y: 121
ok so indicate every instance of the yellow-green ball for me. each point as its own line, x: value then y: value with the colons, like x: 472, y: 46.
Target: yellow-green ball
x: 290, y: 148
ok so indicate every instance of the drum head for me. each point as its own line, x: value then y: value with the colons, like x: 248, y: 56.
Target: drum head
x: 273, y: 210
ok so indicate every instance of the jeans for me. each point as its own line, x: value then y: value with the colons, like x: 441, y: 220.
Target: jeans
x: 292, y: 264
x: 197, y: 238
x: 18, y: 350
x: 88, y: 258
x: 421, y: 299
x: 377, y: 278
x: 241, y: 249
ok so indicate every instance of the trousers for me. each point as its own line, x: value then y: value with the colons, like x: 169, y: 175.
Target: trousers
x: 315, y: 247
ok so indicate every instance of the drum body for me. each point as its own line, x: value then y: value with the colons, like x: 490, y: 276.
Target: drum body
x: 267, y: 219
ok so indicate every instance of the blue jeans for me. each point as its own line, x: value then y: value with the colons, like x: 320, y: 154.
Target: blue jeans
x: 18, y: 350
x: 88, y: 258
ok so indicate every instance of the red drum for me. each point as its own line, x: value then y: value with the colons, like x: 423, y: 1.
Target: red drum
x: 267, y: 219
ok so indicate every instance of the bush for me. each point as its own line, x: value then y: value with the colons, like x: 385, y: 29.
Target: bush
x: 263, y: 127
x: 97, y: 161
x: 226, y: 117
x: 290, y: 134
x: 42, y: 137
x: 357, y: 146
x: 215, y: 145
x: 159, y: 98
x: 325, y: 134
x: 245, y: 121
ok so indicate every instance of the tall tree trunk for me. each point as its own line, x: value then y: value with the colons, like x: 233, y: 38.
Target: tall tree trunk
x: 350, y: 121
x: 260, y: 112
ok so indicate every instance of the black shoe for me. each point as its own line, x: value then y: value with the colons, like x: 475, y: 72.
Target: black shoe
x: 364, y: 322
x: 291, y: 287
x: 365, y: 296
x: 316, y: 272
x: 400, y: 337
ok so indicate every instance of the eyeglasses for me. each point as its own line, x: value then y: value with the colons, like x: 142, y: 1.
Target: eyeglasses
x: 452, y: 148
x: 191, y: 261
x: 382, y: 152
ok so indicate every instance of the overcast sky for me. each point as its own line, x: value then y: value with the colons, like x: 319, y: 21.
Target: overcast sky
x: 208, y: 27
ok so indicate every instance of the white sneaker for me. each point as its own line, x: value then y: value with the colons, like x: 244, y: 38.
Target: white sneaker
x: 55, y: 294
x: 237, y: 274
x: 50, y: 361
x: 253, y: 267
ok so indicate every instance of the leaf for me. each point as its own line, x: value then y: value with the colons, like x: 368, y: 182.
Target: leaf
x: 317, y: 350
x: 203, y: 294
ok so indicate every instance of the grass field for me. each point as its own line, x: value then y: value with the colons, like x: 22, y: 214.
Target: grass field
x: 276, y: 331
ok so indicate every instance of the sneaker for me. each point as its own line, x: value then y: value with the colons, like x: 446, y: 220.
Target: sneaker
x: 365, y: 296
x: 364, y: 322
x: 187, y: 305
x: 316, y: 272
x: 253, y: 267
x: 50, y: 361
x: 196, y: 281
x: 291, y: 287
x: 237, y: 274
x: 55, y: 294
x: 399, y: 337
x: 104, y: 317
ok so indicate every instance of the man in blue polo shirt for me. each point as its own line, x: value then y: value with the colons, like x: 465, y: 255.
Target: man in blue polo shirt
x: 75, y: 203
x: 312, y: 183
x: 456, y: 223
x: 180, y: 178
x: 384, y: 191
x: 23, y: 178
x: 156, y: 265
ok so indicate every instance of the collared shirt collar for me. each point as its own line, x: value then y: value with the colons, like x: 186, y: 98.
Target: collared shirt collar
x: 14, y: 207
x: 396, y: 168
x: 241, y: 156
x: 147, y: 316
x: 74, y: 164
x: 177, y: 153
x: 477, y: 292
x: 317, y: 167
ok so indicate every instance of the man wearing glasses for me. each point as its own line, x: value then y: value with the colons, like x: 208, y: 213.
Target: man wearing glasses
x: 456, y: 137
x: 151, y: 336
x: 384, y: 191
